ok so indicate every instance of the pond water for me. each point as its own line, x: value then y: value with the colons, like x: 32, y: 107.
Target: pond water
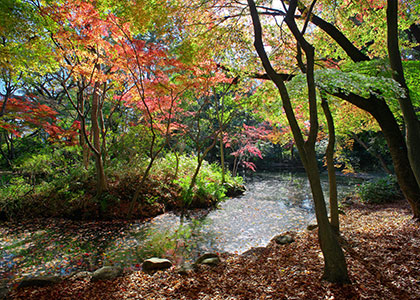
x: 273, y: 203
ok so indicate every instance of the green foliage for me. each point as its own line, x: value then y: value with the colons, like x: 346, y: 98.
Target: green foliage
x: 53, y: 177
x: 381, y: 68
x: 54, y: 182
x: 335, y: 81
x: 13, y: 191
x: 50, y: 163
x: 412, y: 75
x: 209, y: 180
x: 132, y: 146
x: 365, y: 79
x: 26, y: 46
x: 384, y: 189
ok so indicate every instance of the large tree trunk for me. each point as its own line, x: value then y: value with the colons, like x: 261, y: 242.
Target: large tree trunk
x: 335, y: 269
x: 396, y: 144
x: 407, y: 179
x: 412, y: 124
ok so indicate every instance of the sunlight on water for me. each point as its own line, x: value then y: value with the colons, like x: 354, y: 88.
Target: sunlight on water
x: 273, y: 203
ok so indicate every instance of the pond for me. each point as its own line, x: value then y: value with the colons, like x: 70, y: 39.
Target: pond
x: 273, y: 203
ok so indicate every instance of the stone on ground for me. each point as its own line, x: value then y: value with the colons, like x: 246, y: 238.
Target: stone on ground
x: 155, y: 263
x: 311, y: 227
x: 284, y: 239
x: 208, y: 259
x: 39, y: 281
x: 106, y: 273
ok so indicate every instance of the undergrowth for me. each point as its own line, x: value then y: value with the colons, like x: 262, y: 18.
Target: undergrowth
x: 55, y: 183
x: 379, y: 190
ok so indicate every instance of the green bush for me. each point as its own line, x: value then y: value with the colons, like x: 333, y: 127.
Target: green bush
x: 209, y: 180
x: 44, y: 183
x: 380, y: 190
x: 12, y: 193
x: 54, y: 182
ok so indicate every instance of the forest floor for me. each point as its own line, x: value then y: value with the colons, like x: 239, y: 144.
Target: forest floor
x: 381, y: 245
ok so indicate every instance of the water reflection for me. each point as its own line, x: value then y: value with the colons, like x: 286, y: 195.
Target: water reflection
x: 272, y: 204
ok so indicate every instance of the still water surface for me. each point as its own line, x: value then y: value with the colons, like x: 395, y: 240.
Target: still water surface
x: 273, y: 203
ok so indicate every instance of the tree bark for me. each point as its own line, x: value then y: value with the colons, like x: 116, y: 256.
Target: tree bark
x: 335, y: 269
x: 396, y: 144
x: 222, y: 159
x: 335, y: 222
x: 101, y: 184
x: 82, y: 140
x: 400, y: 151
x: 412, y: 124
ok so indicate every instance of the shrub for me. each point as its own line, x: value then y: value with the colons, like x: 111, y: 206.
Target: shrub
x: 380, y: 190
x: 209, y: 185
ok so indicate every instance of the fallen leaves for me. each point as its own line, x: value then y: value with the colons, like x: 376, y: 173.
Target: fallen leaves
x: 381, y: 245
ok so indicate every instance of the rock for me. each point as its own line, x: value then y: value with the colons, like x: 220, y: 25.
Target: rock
x: 205, y: 256
x: 211, y: 261
x: 155, y: 263
x: 207, y: 259
x: 39, y: 281
x: 254, y: 251
x: 284, y: 239
x: 81, y: 275
x: 106, y: 273
x: 234, y: 191
x: 311, y: 227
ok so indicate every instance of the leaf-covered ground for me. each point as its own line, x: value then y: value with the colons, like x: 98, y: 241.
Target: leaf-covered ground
x: 382, y: 247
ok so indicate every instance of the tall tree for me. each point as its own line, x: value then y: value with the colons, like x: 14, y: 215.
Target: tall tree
x: 86, y: 47
x: 373, y: 103
x: 335, y: 269
x: 412, y: 123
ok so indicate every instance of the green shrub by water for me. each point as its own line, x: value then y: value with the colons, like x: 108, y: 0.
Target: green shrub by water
x: 380, y: 190
x: 209, y: 182
x: 55, y: 183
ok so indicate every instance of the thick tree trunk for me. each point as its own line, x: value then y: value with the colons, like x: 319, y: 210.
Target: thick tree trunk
x: 335, y: 269
x: 412, y: 124
x: 335, y: 223
x: 396, y: 144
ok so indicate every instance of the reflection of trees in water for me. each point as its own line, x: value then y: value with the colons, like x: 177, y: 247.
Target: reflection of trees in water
x: 82, y: 245
x: 179, y: 238
x: 58, y: 246
x: 293, y: 189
